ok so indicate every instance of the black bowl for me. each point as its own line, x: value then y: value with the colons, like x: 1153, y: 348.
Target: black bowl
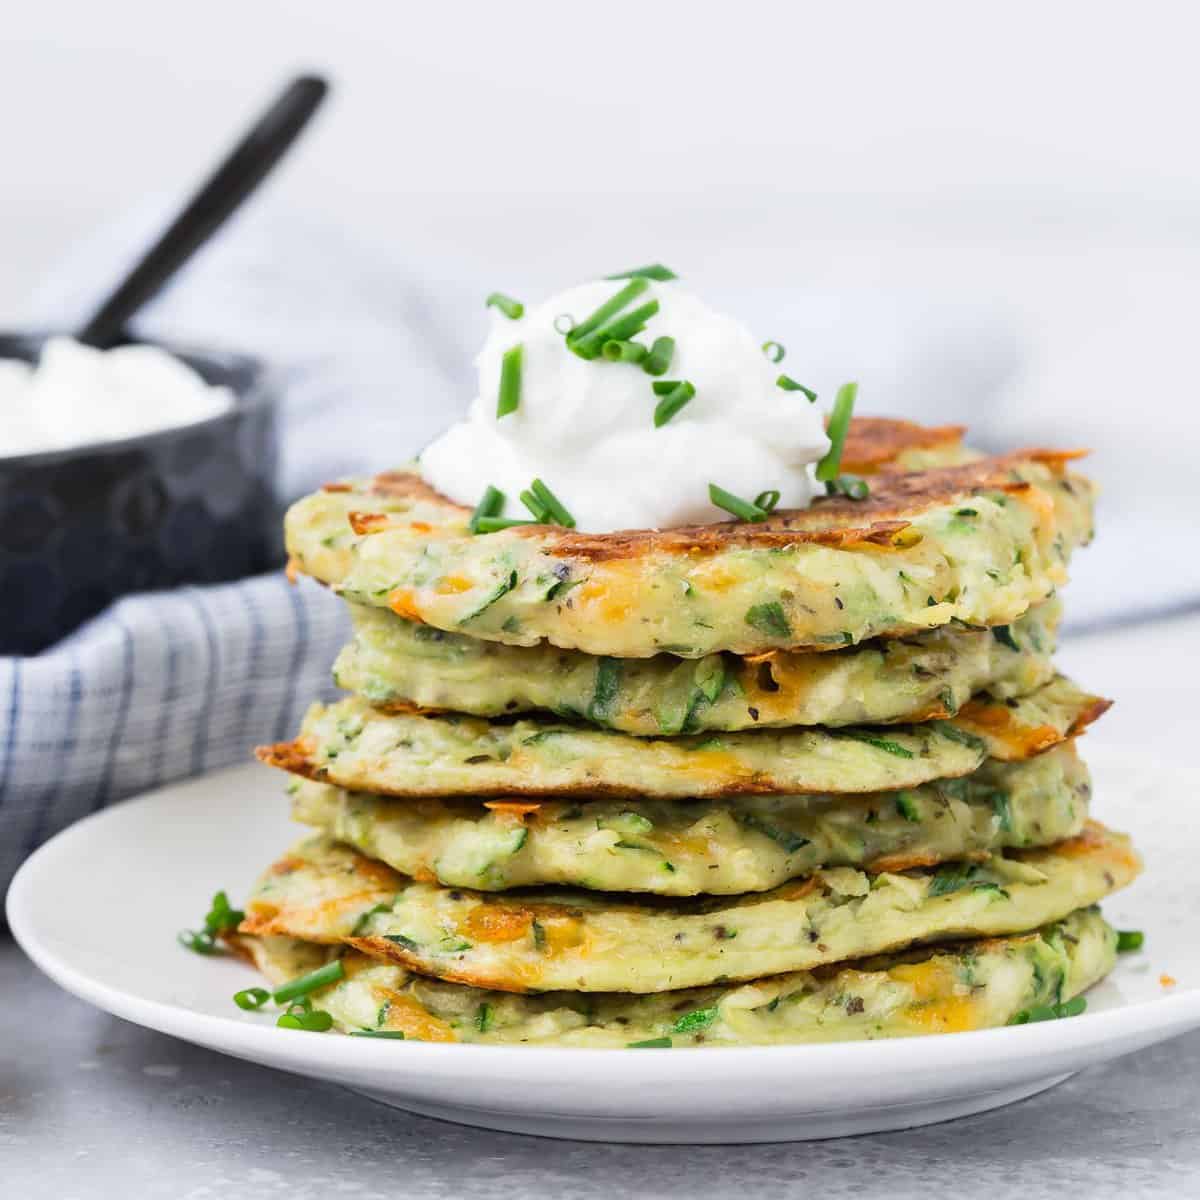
x: 191, y: 504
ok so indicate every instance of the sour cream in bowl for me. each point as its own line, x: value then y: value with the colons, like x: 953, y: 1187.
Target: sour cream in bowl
x: 125, y: 470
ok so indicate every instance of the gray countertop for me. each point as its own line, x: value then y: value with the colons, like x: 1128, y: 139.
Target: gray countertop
x: 92, y: 1107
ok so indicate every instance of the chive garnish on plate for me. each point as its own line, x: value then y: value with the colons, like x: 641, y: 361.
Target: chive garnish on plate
x: 655, y: 271
x: 775, y: 352
x: 659, y: 359
x: 674, y: 396
x: 510, y: 382
x: 296, y: 989
x: 790, y: 385
x: 221, y: 916
x: 491, y: 503
x: 767, y: 501
x: 1130, y: 939
x: 839, y: 424
x: 513, y: 309
x: 310, y: 1022
x: 250, y: 999
x: 742, y: 509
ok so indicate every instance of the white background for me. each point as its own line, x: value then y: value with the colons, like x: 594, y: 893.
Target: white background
x: 986, y: 212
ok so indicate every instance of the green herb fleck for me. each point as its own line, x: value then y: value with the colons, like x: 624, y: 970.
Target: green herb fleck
x: 885, y: 744
x: 697, y: 1019
x: 1050, y: 1012
x: 1130, y: 939
x: 658, y: 1043
x: 1004, y: 635
x: 605, y: 690
x: 769, y: 618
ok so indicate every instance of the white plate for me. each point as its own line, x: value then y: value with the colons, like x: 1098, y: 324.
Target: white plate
x: 98, y: 907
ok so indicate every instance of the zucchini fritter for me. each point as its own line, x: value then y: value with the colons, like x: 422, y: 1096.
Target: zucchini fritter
x: 962, y: 986
x: 718, y: 847
x: 979, y: 543
x: 403, y: 666
x: 545, y: 940
x: 355, y: 746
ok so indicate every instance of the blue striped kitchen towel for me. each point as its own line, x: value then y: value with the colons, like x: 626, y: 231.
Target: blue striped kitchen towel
x: 160, y: 686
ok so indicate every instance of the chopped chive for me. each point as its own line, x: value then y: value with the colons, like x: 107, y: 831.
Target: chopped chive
x: 742, y: 509
x: 1004, y: 635
x: 767, y: 501
x: 483, y: 1018
x: 510, y: 383
x: 198, y: 942
x: 395, y: 1035
x: 659, y: 358
x: 553, y: 506
x: 631, y: 291
x: 672, y: 402
x: 513, y: 309
x: 769, y: 618
x: 697, y: 1019
x: 1050, y: 1012
x: 322, y: 977
x: 775, y: 352
x: 221, y: 915
x: 564, y: 323
x: 630, y: 352
x: 851, y: 486
x: 885, y: 744
x: 249, y: 999
x: 312, y: 1022
x: 654, y: 271
x: 617, y: 328
x: 790, y: 385
x: 496, y: 524
x: 1130, y: 939
x: 658, y: 1043
x: 839, y: 425
x: 535, y: 506
x: 491, y: 503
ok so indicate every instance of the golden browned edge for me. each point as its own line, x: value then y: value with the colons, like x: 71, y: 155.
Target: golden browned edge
x: 879, y: 521
x: 874, y: 443
x: 995, y: 719
x: 509, y: 919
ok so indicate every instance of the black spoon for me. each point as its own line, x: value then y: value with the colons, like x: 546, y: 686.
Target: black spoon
x: 250, y: 161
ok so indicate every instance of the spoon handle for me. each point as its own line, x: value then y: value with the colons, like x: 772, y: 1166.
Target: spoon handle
x: 250, y: 161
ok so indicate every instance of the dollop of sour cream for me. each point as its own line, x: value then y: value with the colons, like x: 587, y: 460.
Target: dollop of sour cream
x: 77, y: 395
x: 586, y: 427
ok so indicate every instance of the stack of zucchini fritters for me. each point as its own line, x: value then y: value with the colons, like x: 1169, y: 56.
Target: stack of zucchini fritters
x: 813, y: 778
